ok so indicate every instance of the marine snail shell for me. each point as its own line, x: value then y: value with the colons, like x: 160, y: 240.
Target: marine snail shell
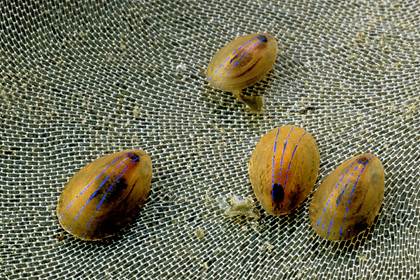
x: 242, y: 63
x: 283, y: 169
x: 105, y: 195
x: 348, y: 200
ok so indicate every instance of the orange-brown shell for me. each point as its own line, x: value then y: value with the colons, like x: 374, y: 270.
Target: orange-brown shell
x: 243, y: 62
x: 105, y: 195
x: 283, y: 169
x: 348, y: 200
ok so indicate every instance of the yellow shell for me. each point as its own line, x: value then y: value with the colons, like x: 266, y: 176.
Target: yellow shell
x: 348, y: 200
x: 283, y: 169
x: 242, y: 63
x: 105, y: 195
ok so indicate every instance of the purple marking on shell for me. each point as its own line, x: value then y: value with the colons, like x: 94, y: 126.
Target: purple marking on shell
x: 338, y: 200
x: 86, y: 188
x: 102, y: 201
x: 110, y: 188
x: 71, y: 202
x: 78, y: 214
x: 329, y: 227
x: 92, y: 196
x: 104, y: 181
x: 281, y: 162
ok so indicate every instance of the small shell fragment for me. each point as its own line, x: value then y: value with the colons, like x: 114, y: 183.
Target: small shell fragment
x: 242, y: 63
x: 105, y: 195
x: 242, y: 207
x: 348, y: 200
x: 283, y: 169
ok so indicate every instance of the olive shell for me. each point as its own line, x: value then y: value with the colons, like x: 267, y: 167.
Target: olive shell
x: 243, y: 62
x: 348, y: 200
x: 283, y: 169
x: 105, y: 195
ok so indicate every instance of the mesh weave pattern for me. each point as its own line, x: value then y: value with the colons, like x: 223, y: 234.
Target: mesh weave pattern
x: 81, y: 79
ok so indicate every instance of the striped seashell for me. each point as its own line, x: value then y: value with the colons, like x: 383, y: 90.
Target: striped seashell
x: 105, y: 195
x: 242, y: 63
x: 283, y: 169
x: 348, y: 200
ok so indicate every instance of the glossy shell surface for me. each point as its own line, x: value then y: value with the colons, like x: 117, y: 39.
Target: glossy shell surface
x: 243, y: 62
x: 283, y: 169
x: 348, y: 200
x: 104, y: 196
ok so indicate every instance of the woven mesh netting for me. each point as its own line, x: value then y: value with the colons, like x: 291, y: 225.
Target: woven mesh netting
x: 82, y: 79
